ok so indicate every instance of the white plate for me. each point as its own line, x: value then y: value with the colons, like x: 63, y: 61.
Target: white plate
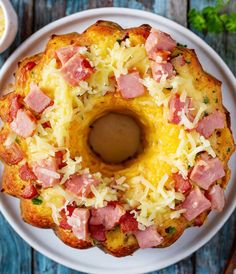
x: 93, y: 260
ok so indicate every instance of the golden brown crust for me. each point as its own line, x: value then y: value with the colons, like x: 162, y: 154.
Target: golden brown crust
x: 36, y: 215
x: 69, y: 239
x: 11, y: 183
x: 118, y: 244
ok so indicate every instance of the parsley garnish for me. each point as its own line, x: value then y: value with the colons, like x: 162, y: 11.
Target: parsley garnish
x: 170, y: 230
x: 181, y: 45
x: 119, y: 41
x: 206, y: 100
x: 213, y: 18
x: 37, y: 201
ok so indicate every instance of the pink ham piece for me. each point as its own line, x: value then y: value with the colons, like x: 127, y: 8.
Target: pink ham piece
x: 217, y: 197
x: 130, y: 86
x: 176, y: 106
x: 12, y: 155
x: 36, y: 99
x: 64, y: 54
x: 178, y: 61
x: 148, y: 237
x: 24, y: 124
x: 76, y: 69
x: 159, y: 70
x: 29, y: 192
x: 181, y: 185
x: 98, y: 232
x: 79, y: 223
x: 207, y: 171
x: 14, y: 107
x: 80, y: 185
x: 195, y: 203
x: 108, y: 216
x: 156, y: 41
x: 207, y: 125
x: 46, y: 172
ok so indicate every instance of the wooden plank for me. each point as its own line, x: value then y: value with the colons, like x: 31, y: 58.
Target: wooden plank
x: 48, y: 11
x: 177, y: 11
x: 213, y: 256
x: 15, y: 254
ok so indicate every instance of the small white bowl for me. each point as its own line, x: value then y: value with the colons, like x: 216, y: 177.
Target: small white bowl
x: 11, y: 25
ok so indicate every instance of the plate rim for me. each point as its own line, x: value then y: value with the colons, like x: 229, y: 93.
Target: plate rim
x: 134, y: 12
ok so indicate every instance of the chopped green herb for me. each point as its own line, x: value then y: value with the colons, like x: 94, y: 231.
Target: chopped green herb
x: 17, y: 140
x: 228, y: 149
x: 119, y: 41
x: 216, y: 100
x: 213, y: 91
x: 206, y: 100
x: 170, y: 88
x: 187, y: 61
x: 181, y: 45
x: 37, y: 201
x: 170, y: 230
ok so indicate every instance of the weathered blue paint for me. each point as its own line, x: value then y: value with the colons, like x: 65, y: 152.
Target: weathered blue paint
x: 15, y: 255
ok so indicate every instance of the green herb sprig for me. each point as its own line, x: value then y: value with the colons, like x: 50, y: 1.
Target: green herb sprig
x: 213, y: 19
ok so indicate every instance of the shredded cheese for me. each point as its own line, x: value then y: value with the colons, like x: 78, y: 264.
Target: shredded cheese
x: 154, y: 201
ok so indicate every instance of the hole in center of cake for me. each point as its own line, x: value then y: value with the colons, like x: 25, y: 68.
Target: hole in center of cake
x: 115, y: 138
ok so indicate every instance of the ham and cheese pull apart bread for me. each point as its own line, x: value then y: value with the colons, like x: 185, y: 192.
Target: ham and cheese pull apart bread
x: 67, y: 145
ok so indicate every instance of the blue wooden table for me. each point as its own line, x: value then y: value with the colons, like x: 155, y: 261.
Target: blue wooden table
x: 16, y: 256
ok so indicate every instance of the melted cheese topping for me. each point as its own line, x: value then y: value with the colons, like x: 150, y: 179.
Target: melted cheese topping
x: 153, y: 197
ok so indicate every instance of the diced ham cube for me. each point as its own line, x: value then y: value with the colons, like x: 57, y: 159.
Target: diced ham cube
x: 98, y: 232
x: 80, y: 185
x: 59, y: 157
x: 207, y: 125
x: 29, y: 66
x: 76, y: 69
x: 217, y: 197
x: 46, y: 172
x: 36, y: 99
x: 65, y: 213
x: 207, y: 171
x: 15, y: 105
x: 79, y: 223
x: 24, y: 71
x: 158, y: 40
x: 12, y: 154
x: 26, y: 173
x: 128, y: 223
x: 108, y: 216
x: 176, y: 106
x: 178, y: 61
x: 64, y: 54
x: 160, y: 70
x: 24, y: 124
x: 130, y: 86
x: 195, y: 203
x: 29, y: 192
x: 181, y: 185
x: 148, y: 237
